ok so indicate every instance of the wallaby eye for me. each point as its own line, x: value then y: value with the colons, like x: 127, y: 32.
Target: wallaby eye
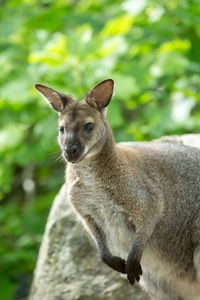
x: 89, y: 127
x: 61, y: 129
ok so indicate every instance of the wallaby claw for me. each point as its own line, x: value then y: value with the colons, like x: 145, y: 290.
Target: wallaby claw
x: 134, y: 271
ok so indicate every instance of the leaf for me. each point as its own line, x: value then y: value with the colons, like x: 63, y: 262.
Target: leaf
x: 175, y: 45
x: 119, y: 25
x: 54, y: 53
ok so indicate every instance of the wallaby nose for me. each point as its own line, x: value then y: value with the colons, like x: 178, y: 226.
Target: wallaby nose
x: 71, y: 150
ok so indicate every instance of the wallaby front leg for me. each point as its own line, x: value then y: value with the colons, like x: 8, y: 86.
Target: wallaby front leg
x: 142, y: 235
x: 114, y: 262
x: 148, y: 214
x: 133, y: 267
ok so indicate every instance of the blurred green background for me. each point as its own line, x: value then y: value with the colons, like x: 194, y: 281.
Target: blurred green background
x: 151, y: 50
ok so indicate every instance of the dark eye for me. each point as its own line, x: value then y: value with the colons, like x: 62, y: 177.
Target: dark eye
x: 89, y: 127
x: 61, y: 129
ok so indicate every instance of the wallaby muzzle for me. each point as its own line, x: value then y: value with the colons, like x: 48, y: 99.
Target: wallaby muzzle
x: 72, y: 152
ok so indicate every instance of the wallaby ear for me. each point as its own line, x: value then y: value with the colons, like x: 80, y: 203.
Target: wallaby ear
x: 56, y: 99
x: 101, y: 94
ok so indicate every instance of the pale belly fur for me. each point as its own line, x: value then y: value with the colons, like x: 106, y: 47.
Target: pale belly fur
x: 184, y: 287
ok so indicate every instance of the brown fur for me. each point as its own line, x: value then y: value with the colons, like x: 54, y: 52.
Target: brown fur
x: 141, y: 204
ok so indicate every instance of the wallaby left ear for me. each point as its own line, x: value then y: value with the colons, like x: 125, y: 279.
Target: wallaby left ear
x: 101, y: 94
x: 56, y: 99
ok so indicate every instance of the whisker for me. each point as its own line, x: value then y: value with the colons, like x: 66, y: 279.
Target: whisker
x: 57, y: 156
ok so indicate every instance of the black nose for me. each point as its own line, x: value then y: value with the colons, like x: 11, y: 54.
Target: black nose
x: 71, y: 150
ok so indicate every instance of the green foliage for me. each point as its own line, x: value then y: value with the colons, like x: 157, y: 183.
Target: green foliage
x: 150, y: 49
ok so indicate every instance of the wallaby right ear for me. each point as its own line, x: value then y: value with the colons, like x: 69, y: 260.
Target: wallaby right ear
x: 56, y: 99
x: 101, y: 94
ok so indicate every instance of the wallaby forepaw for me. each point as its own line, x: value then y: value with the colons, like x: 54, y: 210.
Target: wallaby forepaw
x: 119, y: 264
x: 133, y: 270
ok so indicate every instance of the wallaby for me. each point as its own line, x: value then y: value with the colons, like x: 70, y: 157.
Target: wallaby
x: 140, y: 203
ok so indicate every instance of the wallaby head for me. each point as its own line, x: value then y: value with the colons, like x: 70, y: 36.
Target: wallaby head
x: 83, y: 128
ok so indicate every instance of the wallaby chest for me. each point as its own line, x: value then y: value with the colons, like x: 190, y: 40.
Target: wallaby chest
x: 89, y: 196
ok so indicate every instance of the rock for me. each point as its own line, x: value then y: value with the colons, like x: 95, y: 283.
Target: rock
x: 68, y: 265
x: 192, y: 140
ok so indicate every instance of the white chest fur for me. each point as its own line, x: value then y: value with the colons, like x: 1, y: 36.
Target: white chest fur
x: 119, y: 232
x: 109, y: 216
